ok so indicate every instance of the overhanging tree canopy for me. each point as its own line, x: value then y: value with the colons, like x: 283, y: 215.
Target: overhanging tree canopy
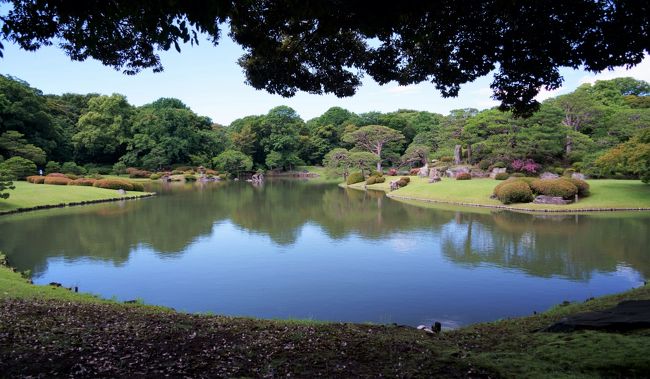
x: 327, y: 46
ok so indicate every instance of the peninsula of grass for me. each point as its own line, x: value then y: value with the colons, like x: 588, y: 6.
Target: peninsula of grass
x: 51, y: 331
x: 606, y: 194
x: 28, y: 196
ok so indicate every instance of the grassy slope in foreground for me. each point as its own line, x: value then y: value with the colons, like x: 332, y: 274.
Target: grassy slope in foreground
x: 85, y: 335
x: 605, y: 193
x: 28, y: 195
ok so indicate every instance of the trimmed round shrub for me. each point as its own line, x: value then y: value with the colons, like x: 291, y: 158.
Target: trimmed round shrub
x: 190, y: 178
x: 115, y: 184
x: 376, y: 173
x: 513, y: 191
x: 554, y: 187
x: 57, y: 175
x: 86, y: 182
x: 380, y: 179
x: 19, y: 167
x: 119, y: 168
x: 71, y: 176
x: 177, y: 172
x: 581, y: 185
x: 223, y: 176
x: 155, y: 176
x: 517, y: 175
x: 405, y: 178
x: 371, y: 180
x: 502, y: 176
x: 464, y: 176
x: 402, y: 183
x: 36, y: 179
x: 56, y: 180
x: 355, y: 177
x: 558, y: 170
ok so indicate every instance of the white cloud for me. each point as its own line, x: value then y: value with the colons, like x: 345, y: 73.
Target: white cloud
x: 402, y: 90
x: 640, y: 72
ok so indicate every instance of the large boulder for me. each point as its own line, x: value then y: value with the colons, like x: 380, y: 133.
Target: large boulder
x: 424, y: 171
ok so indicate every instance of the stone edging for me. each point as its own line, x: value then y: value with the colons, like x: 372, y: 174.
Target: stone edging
x: 573, y: 210
x: 75, y: 203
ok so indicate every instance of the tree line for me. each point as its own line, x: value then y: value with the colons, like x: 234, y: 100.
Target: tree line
x: 600, y: 128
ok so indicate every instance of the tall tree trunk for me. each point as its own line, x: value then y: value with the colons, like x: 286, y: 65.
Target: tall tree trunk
x: 457, y: 153
x: 469, y: 153
x: 568, y: 146
x: 379, y: 165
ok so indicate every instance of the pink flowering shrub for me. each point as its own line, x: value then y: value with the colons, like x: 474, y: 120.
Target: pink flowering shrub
x: 527, y: 166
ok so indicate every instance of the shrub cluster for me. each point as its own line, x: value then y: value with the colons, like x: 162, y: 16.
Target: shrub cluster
x: 57, y: 180
x: 502, y: 176
x: 57, y: 175
x: 373, y: 179
x: 115, y: 184
x: 355, y: 177
x: 86, y: 182
x: 190, y: 178
x: 392, y: 172
x: 403, y: 181
x: 155, y: 176
x: 464, y: 176
x: 36, y: 179
x: 139, y: 174
x: 71, y: 176
x: 554, y: 187
x: 583, y: 187
x: 513, y: 191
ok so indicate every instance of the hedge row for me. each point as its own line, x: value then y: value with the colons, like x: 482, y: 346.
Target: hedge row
x: 118, y: 184
x: 57, y: 180
x: 87, y: 182
x: 36, y: 179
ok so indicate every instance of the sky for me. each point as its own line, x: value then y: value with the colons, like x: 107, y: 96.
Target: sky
x: 209, y: 81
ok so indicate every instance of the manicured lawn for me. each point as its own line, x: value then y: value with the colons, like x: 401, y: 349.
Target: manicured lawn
x: 605, y: 193
x: 28, y: 195
x: 322, y: 174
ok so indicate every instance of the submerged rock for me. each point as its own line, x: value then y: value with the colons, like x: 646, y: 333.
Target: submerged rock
x: 543, y: 199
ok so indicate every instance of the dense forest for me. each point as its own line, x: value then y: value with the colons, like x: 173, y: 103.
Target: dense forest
x: 601, y: 129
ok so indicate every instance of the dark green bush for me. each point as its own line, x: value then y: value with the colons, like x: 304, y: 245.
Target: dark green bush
x: 380, y: 179
x: 581, y: 185
x: 51, y: 167
x: 405, y: 178
x: 499, y: 165
x: 558, y: 170
x: 484, y: 165
x: 517, y: 175
x: 72, y: 168
x: 502, y: 176
x: 355, y: 177
x: 464, y: 176
x: 402, y: 183
x: 189, y: 178
x: 513, y: 191
x: 554, y: 187
x: 19, y: 167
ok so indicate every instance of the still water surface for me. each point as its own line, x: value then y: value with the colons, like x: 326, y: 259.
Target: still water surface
x: 291, y: 249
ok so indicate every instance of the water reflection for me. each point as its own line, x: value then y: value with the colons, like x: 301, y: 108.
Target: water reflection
x: 571, y: 246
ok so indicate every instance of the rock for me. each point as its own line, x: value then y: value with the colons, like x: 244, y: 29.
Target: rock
x: 424, y: 171
x: 393, y: 185
x: 577, y: 175
x: 549, y: 175
x: 627, y: 315
x: 421, y: 327
x: 543, y: 199
x: 497, y: 170
x: 434, y: 175
x: 121, y: 192
x: 435, y: 179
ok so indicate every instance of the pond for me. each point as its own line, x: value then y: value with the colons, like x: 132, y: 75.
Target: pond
x: 292, y: 249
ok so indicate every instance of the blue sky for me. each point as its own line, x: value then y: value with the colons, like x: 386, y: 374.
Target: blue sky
x: 208, y: 79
